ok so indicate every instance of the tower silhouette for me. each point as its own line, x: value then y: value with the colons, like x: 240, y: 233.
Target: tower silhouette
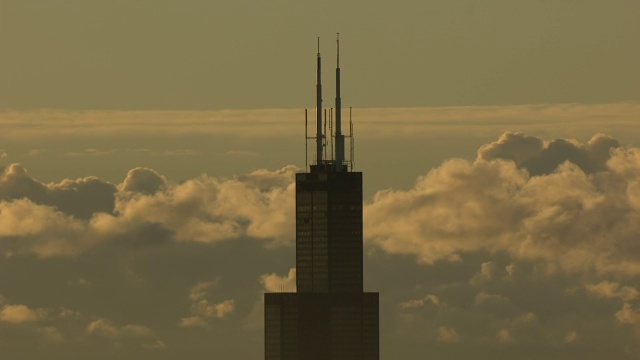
x: 329, y: 317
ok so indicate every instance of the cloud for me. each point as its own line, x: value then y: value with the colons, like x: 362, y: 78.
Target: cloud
x: 571, y: 337
x: 207, y: 210
x: 208, y: 310
x: 199, y: 290
x: 504, y: 336
x: 156, y: 345
x: 51, y: 334
x: 523, y: 319
x: 65, y: 313
x: 192, y: 322
x: 180, y: 152
x: 540, y: 157
x: 628, y: 315
x: 80, y: 198
x: 533, y: 243
x: 41, y: 230
x: 370, y: 122
x: 17, y: 314
x: 143, y: 180
x: 501, y: 255
x: 275, y: 283
x: 70, y: 217
x: 203, y: 308
x: 570, y: 219
x: 448, y: 334
x: 106, y: 328
x: 487, y: 272
x: 429, y: 299
x: 518, y: 147
x: 103, y: 327
x: 89, y: 152
x: 608, y: 289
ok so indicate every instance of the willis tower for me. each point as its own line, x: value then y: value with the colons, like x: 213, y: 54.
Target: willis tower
x: 329, y: 317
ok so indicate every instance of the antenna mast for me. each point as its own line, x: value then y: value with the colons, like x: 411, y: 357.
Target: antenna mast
x: 306, y: 141
x: 339, y: 137
x: 319, y: 137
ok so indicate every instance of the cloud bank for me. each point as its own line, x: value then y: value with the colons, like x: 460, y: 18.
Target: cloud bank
x: 531, y: 245
x: 572, y: 206
x: 70, y: 217
x: 370, y: 122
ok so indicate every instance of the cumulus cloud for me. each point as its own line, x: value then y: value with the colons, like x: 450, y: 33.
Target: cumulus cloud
x: 573, y: 217
x: 70, y: 217
x: 143, y: 180
x: 207, y: 210
x: 80, y: 198
x: 17, y: 314
x: 208, y: 310
x: 276, y: 283
x: 109, y: 329
x: 540, y: 157
x: 192, y: 322
x: 416, y: 303
x: 199, y: 290
x: 608, y: 289
x: 533, y: 223
x: 628, y: 315
x: 512, y: 146
x: 65, y: 313
x: 40, y: 229
x: 448, y: 334
x: 502, y: 242
x: 203, y: 308
x: 487, y: 272
x: 51, y: 334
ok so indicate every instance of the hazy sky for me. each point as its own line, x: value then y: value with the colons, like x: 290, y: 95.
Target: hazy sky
x: 201, y: 54
x: 147, y: 152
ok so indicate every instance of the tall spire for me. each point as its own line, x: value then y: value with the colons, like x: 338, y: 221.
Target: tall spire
x: 339, y: 156
x: 319, y: 137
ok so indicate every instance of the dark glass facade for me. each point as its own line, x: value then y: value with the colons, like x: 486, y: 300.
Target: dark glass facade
x: 321, y: 326
x: 329, y: 317
x: 329, y: 230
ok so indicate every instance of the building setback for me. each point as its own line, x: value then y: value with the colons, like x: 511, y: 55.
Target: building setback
x: 329, y: 317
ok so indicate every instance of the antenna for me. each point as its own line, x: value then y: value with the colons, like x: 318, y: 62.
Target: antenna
x: 306, y: 137
x: 339, y: 137
x: 351, y: 140
x: 331, y: 131
x: 338, y: 50
x: 324, y: 138
x: 319, y: 136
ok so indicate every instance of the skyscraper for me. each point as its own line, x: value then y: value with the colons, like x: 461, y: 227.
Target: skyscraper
x: 329, y: 317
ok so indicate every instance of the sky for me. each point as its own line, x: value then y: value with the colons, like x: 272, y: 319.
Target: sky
x: 148, y: 150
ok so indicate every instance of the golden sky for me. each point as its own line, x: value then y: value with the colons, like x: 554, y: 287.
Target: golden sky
x: 147, y: 153
x: 199, y: 54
